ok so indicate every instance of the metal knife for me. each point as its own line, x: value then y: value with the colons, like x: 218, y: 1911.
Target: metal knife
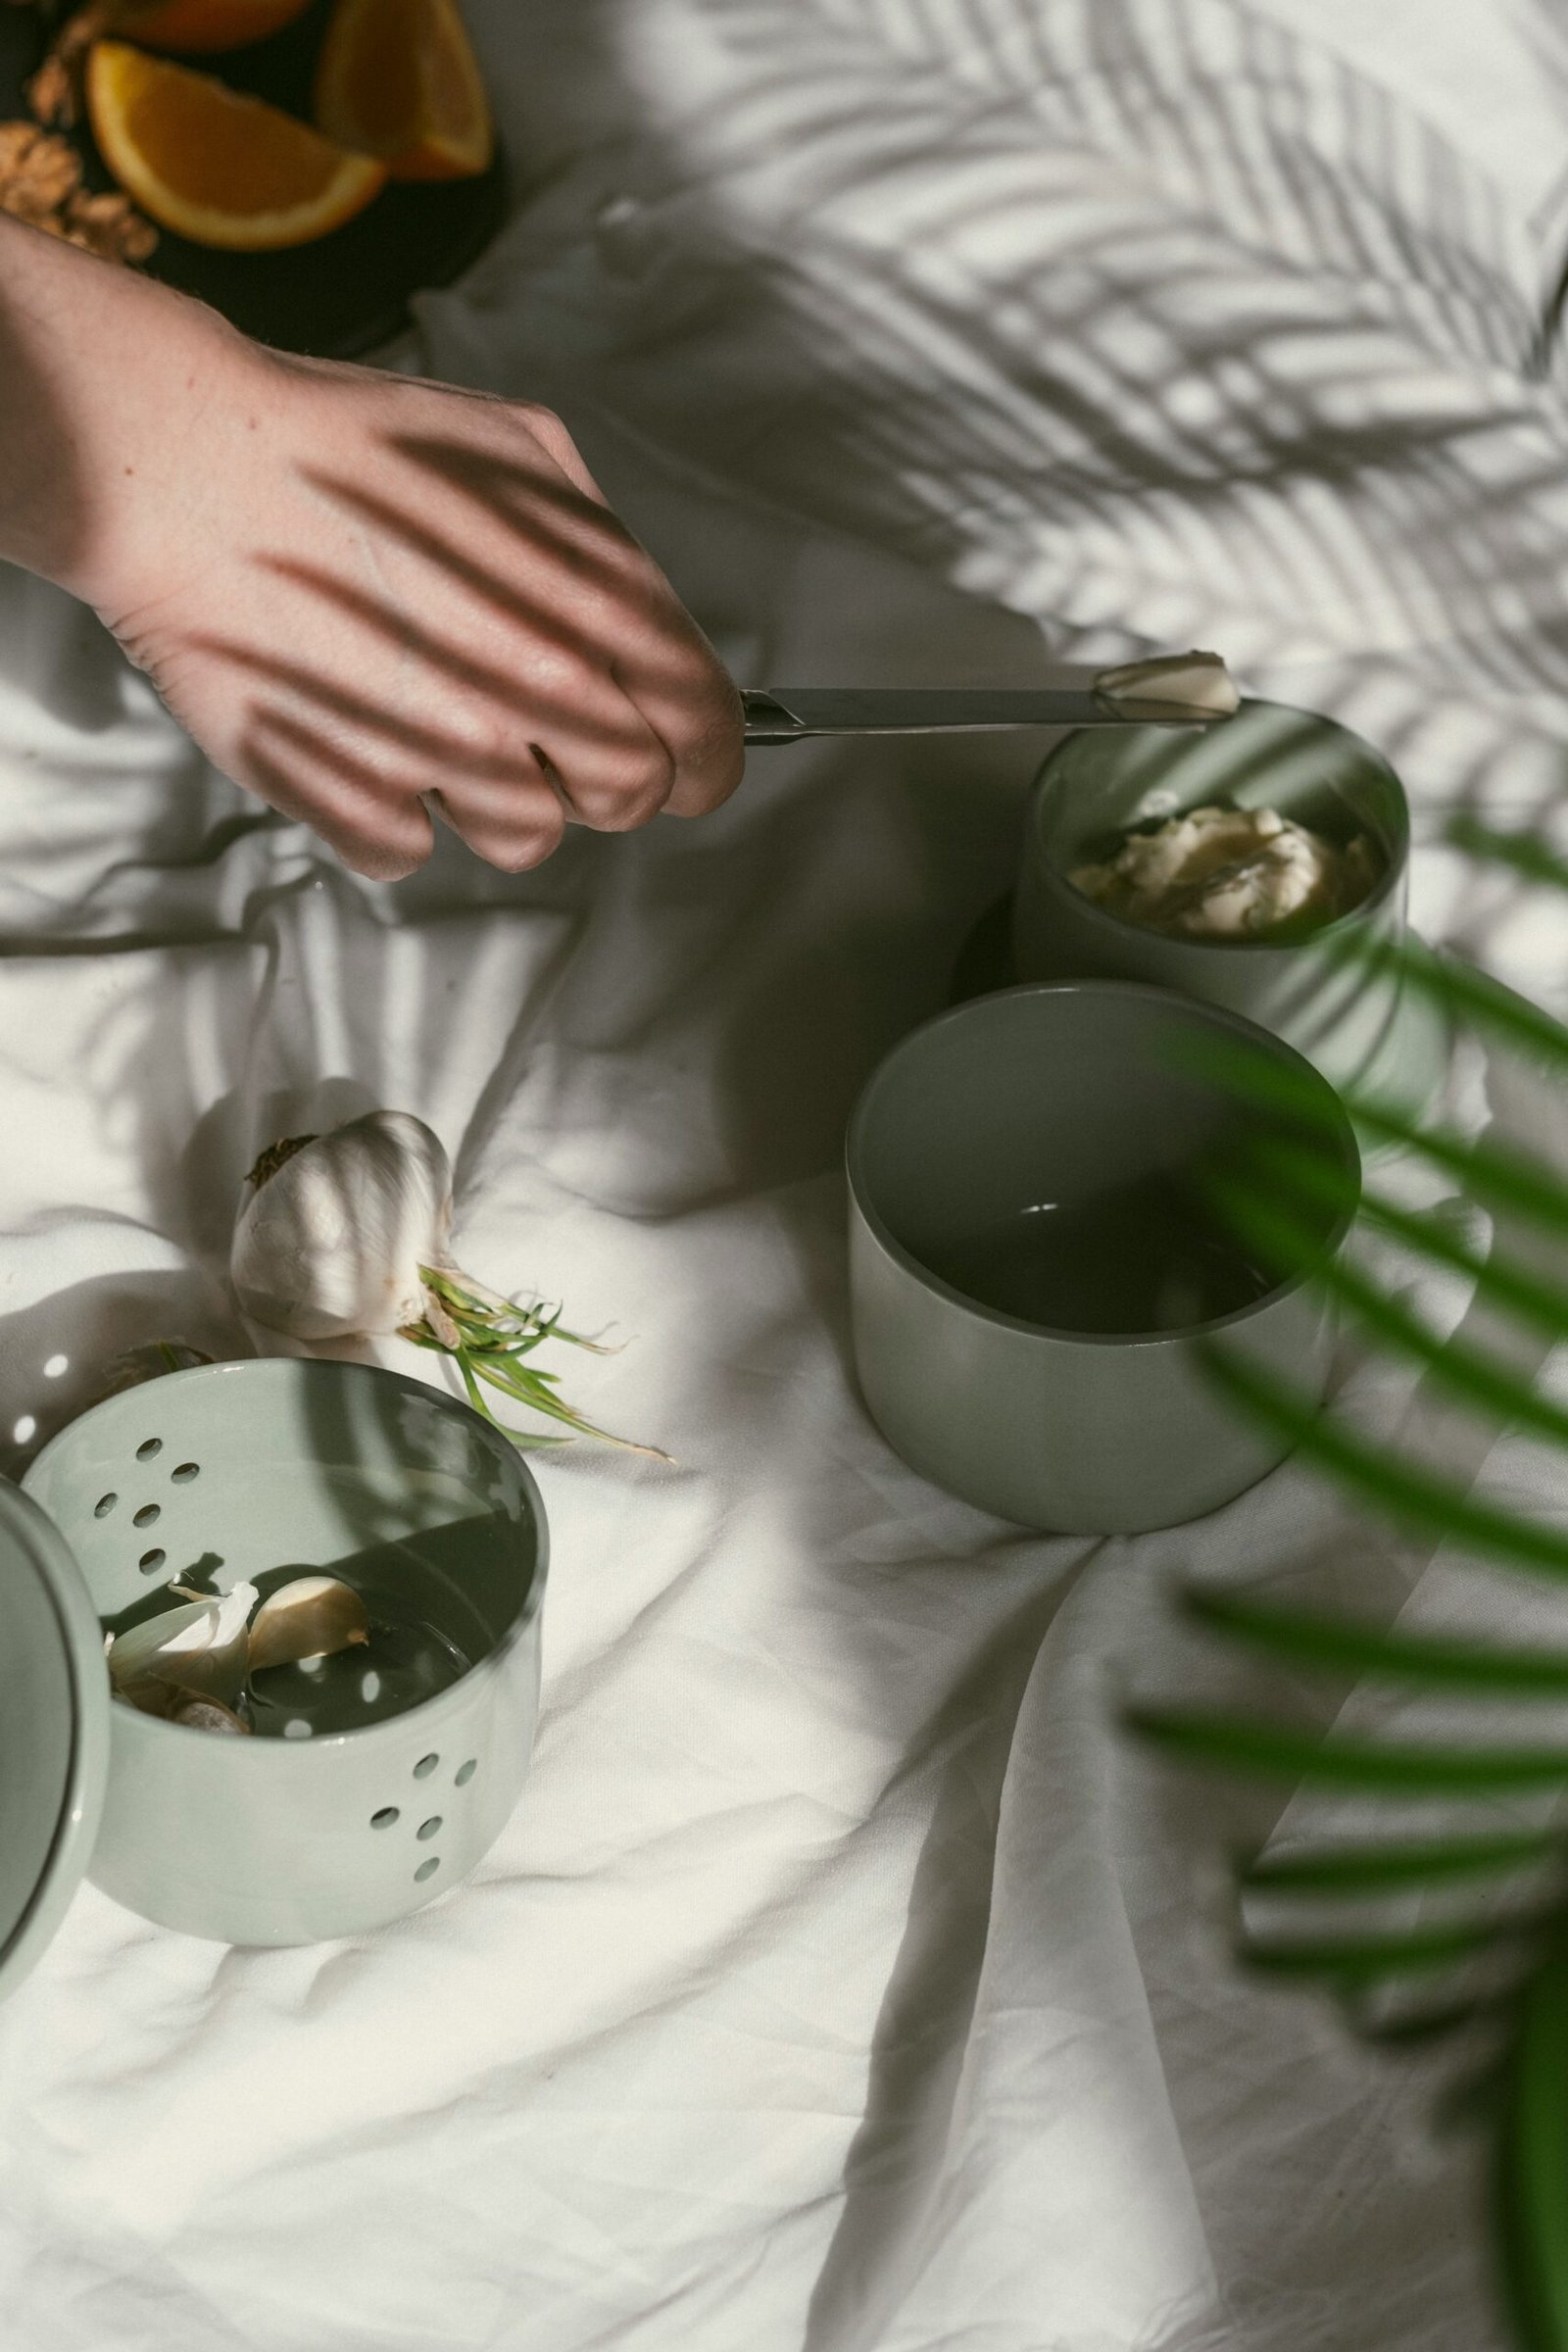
x: 791, y: 714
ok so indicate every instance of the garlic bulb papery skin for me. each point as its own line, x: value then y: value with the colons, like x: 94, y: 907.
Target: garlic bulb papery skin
x: 330, y: 1246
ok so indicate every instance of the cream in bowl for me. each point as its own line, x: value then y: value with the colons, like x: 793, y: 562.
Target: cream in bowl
x: 1220, y: 873
x: 1152, y: 855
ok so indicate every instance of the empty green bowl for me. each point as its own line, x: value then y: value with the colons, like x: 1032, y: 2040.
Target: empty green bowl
x: 1037, y: 1267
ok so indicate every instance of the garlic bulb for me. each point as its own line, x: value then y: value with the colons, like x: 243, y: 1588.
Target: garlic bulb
x: 344, y: 1237
x: 332, y: 1240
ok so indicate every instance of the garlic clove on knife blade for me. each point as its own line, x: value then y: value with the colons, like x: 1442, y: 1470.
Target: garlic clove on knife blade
x: 1197, y: 682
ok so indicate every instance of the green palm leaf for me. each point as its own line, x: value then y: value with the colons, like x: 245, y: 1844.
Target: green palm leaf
x: 1306, y: 1637
x: 1391, y: 1767
x: 1360, y: 1961
x: 1358, y: 1869
x: 1405, y: 1491
x: 1336, y: 1929
x: 1532, y: 2172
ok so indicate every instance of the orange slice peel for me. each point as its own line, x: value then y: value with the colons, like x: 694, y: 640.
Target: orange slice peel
x: 196, y: 25
x: 398, y: 79
x: 215, y: 165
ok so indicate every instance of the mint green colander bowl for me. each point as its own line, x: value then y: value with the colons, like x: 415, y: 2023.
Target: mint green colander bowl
x: 241, y: 1471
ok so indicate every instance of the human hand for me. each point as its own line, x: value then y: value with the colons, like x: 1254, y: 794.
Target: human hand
x: 370, y: 599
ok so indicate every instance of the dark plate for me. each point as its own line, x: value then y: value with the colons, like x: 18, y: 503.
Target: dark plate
x: 349, y: 290
x: 985, y: 960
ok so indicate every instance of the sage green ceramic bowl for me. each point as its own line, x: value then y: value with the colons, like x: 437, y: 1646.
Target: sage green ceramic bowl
x: 243, y: 1470
x: 1037, y: 1267
x: 1325, y: 994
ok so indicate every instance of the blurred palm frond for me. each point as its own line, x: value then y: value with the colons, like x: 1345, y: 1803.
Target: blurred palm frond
x: 1459, y: 1929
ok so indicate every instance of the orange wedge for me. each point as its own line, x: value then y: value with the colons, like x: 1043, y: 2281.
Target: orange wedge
x: 398, y: 79
x: 206, y: 24
x: 212, y: 165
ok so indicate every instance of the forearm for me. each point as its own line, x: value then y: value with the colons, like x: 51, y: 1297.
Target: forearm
x: 101, y: 372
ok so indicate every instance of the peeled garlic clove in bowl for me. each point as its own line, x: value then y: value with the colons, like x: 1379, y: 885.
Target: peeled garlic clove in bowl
x: 200, y: 1646
x: 198, y: 1713
x: 311, y: 1617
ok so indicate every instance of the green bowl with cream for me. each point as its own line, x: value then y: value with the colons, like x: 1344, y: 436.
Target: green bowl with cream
x: 1261, y: 865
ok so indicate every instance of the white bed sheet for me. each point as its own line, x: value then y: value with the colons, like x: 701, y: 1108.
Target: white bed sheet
x: 843, y: 1981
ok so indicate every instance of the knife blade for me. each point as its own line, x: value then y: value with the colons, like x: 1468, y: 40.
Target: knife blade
x: 791, y: 714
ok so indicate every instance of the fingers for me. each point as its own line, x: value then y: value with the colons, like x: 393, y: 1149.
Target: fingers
x: 610, y: 604
x: 559, y: 446
x: 513, y: 761
x: 692, y: 706
x: 665, y: 663
x: 558, y: 712
x: 506, y: 833
x: 429, y: 613
x: 375, y: 829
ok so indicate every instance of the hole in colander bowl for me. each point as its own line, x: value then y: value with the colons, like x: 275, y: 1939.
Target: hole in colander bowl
x: 385, y: 1818
x: 148, y: 1447
x: 429, y: 1829
x: 147, y: 1515
x: 466, y: 1772
x: 426, y: 1766
x: 184, y: 1472
x: 428, y: 1870
x: 150, y: 1561
x: 104, y: 1506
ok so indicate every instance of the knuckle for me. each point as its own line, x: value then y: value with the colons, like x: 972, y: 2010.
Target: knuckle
x: 558, y: 682
x: 546, y: 427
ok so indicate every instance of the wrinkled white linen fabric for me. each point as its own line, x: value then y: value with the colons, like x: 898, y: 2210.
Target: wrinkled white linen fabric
x: 845, y: 1980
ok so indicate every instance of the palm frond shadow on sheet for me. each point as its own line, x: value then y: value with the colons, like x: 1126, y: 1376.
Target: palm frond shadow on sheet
x: 1458, y: 1930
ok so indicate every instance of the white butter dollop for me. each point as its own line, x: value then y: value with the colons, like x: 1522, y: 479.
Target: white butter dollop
x: 1195, y: 682
x: 1229, y: 873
